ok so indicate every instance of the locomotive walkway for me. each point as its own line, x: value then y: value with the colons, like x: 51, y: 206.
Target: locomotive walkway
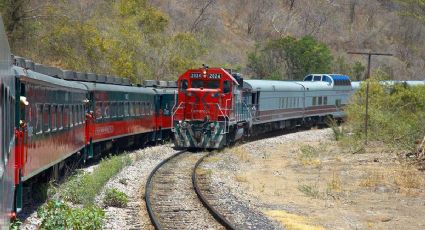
x: 171, y: 200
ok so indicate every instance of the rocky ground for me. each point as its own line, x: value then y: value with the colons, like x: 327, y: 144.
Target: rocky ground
x: 306, y: 180
x: 131, y: 180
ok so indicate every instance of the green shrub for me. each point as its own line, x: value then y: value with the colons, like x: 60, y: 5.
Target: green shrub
x: 82, y: 188
x: 336, y: 129
x: 115, y: 198
x: 290, y: 58
x: 15, y: 224
x: 396, y: 114
x: 310, y: 191
x: 58, y: 215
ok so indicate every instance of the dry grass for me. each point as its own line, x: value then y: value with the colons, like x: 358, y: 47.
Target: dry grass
x: 204, y: 172
x: 374, y: 178
x: 335, y: 184
x: 212, y: 159
x: 408, y: 178
x: 292, y: 221
x: 405, y: 179
x: 241, y: 153
x: 241, y: 178
x: 309, y: 156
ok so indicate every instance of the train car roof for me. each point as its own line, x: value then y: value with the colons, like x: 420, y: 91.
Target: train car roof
x: 271, y: 85
x: 356, y: 84
x: 316, y: 85
x: 21, y: 72
x: 117, y: 88
x: 165, y: 90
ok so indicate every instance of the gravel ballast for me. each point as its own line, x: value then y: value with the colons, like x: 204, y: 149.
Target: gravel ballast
x: 131, y: 180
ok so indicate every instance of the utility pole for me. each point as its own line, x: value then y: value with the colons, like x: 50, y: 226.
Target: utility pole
x: 369, y: 59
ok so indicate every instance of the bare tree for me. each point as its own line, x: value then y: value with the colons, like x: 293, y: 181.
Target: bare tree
x: 352, y: 9
x: 259, y: 9
x: 202, y: 14
x: 291, y: 4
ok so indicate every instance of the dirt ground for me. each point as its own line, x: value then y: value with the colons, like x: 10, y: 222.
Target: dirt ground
x: 307, y: 184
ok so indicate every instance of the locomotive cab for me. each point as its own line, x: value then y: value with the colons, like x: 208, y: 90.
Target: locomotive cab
x: 205, y: 108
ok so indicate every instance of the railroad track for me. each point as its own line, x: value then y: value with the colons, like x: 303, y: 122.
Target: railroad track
x: 172, y: 200
x: 226, y: 208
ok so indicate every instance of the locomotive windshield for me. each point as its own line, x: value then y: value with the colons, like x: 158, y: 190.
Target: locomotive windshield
x: 205, y: 84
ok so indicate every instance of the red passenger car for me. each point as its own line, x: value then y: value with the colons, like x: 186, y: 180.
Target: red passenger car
x: 124, y: 114
x: 51, y: 123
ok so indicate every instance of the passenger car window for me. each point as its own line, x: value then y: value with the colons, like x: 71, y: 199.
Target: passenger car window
x: 53, y: 117
x: 226, y: 87
x: 106, y: 110
x: 308, y: 78
x: 59, y: 118
x: 320, y: 100
x: 98, y: 110
x: 65, y: 116
x: 317, y: 78
x: 46, y: 118
x: 148, y: 108
x: 39, y: 118
x: 314, y: 101
x: 71, y: 115
x: 327, y: 79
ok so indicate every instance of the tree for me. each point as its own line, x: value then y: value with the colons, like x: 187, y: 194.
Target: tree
x: 413, y: 8
x: 290, y: 58
x: 203, y: 7
x: 124, y: 37
x: 357, y: 71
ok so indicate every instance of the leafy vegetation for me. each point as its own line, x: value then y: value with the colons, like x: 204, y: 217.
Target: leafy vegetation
x: 396, y: 114
x: 58, y: 215
x: 290, y: 58
x: 15, y: 224
x: 125, y: 37
x: 355, y: 70
x: 310, y: 191
x: 115, y: 198
x: 413, y: 8
x: 82, y: 188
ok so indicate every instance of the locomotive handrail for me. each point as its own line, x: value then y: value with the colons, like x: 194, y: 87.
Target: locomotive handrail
x: 225, y: 120
x: 221, y: 112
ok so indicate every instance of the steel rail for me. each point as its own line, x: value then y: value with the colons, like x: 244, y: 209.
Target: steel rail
x: 216, y: 214
x: 148, y: 189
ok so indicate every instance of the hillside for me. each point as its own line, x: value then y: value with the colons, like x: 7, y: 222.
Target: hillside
x: 234, y: 27
x: 145, y: 39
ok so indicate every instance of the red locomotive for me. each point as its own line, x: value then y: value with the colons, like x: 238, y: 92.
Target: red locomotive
x: 209, y: 112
